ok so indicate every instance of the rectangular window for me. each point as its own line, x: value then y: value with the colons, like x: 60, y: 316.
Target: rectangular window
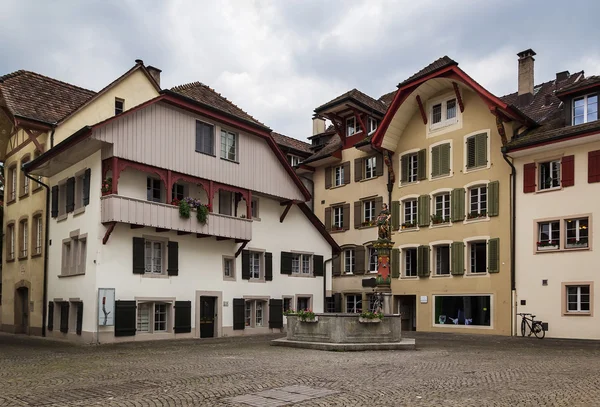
x: 442, y: 260
x: 548, y: 235
x: 294, y: 160
x: 368, y: 211
x: 10, y: 249
x: 338, y: 176
x: 577, y: 233
x: 477, y: 151
x: 67, y: 258
x: 24, y: 179
x: 254, y: 208
x: 410, y: 262
x: 472, y: 310
x: 370, y: 167
x: 160, y: 317
x: 153, y: 190
x: 225, y: 202
x: 259, y: 314
x: 354, y: 303
x: 372, y: 125
x: 349, y: 261
x: 12, y: 183
x: 119, y: 106
x: 373, y: 259
x: 478, y: 257
x: 37, y: 234
x: 205, y: 138
x: 287, y: 304
x: 143, y: 317
x: 338, y: 217
x: 585, y: 109
x: 228, y: 267
x: 255, y: 266
x: 154, y: 257
x: 23, y: 238
x: 228, y: 145
x: 451, y: 109
x: 436, y: 114
x: 443, y: 113
x: 306, y: 262
x: 578, y: 298
x: 410, y: 213
x: 442, y: 208
x: 352, y: 126
x: 178, y: 192
x: 478, y: 201
x: 303, y: 303
x: 412, y: 167
x: 549, y: 174
x: 153, y: 317
x: 248, y: 313
x: 330, y: 305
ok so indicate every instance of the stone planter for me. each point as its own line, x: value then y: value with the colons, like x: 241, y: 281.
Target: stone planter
x: 369, y: 320
x: 309, y: 321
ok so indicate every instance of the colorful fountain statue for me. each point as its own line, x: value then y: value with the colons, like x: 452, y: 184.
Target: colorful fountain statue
x: 384, y: 246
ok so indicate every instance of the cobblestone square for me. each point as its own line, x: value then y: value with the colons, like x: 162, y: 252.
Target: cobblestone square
x: 445, y: 370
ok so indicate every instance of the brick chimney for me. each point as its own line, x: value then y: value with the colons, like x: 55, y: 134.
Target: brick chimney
x: 318, y: 125
x: 155, y: 73
x: 526, y: 76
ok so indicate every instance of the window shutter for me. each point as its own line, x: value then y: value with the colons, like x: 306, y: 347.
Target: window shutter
x: 529, y: 178
x: 173, y: 264
x: 404, y: 168
x: 458, y: 258
x: 471, y: 152
x: 395, y: 215
x: 435, y: 161
x: 422, y: 165
x: 395, y: 263
x: 481, y: 158
x: 445, y: 159
x: 125, y: 321
x: 50, y: 315
x: 423, y: 261
x: 568, y: 171
x: 357, y: 214
x: 286, y: 263
x: 336, y: 265
x: 64, y: 317
x: 54, y: 211
x: 493, y: 198
x: 275, y: 313
x: 318, y: 268
x: 346, y: 166
x: 328, y: 219
x: 494, y: 255
x: 239, y: 305
x: 70, y: 194
x: 379, y: 165
x: 359, y: 260
x: 268, y: 266
x: 183, y: 317
x: 378, y: 205
x: 86, y: 186
x: 79, y: 326
x: 245, y: 265
x: 457, y: 201
x: 328, y: 177
x: 337, y: 302
x: 346, y: 216
x: 423, y: 210
x: 139, y: 256
x: 358, y: 169
x: 594, y: 166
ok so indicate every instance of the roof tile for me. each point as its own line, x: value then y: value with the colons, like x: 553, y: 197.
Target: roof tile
x: 436, y: 65
x: 358, y: 96
x: 292, y: 143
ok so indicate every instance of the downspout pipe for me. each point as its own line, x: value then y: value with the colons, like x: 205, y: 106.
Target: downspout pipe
x: 325, y: 281
x: 513, y: 244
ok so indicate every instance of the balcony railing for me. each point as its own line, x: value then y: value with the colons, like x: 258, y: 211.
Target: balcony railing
x: 116, y: 208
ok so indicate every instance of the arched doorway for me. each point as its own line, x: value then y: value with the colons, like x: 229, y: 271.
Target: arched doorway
x: 22, y: 310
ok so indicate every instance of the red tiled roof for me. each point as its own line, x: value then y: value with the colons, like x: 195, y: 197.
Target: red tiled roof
x: 583, y: 83
x: 290, y: 142
x: 34, y: 96
x: 334, y: 144
x: 436, y: 65
x: 358, y: 96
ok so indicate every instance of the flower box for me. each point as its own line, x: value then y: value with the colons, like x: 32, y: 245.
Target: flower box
x: 369, y: 320
x: 476, y: 215
x: 309, y: 321
x: 542, y: 248
x: 580, y: 245
x: 409, y: 225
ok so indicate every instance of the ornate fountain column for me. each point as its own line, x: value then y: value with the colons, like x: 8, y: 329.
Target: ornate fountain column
x: 384, y: 247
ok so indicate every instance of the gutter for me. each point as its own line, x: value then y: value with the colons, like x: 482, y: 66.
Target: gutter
x: 513, y: 177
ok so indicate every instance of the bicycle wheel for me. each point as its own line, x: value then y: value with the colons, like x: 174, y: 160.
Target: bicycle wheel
x: 523, y: 327
x: 538, y: 330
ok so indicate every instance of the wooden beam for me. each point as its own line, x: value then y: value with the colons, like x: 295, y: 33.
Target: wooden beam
x: 458, y: 97
x: 358, y: 116
x: 33, y: 137
x: 222, y: 238
x: 181, y: 233
x: 338, y: 127
x: 422, y: 109
x: 201, y: 235
x: 285, y: 212
x: 241, y: 248
x: 501, y: 130
x: 132, y: 226
x: 240, y: 240
x: 159, y: 230
x: 111, y: 227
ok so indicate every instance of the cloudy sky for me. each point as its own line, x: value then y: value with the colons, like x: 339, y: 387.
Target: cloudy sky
x: 278, y: 60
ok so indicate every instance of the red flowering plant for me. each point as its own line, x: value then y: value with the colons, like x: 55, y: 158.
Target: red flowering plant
x: 106, y: 186
x: 546, y: 243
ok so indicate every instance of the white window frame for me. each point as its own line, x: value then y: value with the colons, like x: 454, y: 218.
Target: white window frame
x: 349, y: 261
x: 338, y: 176
x: 579, y: 301
x: 355, y: 127
x: 372, y: 259
x: 153, y: 189
x: 466, y: 169
x: 413, y: 168
x: 550, y: 232
x: 445, y: 125
x: 479, y: 209
x: 469, y: 244
x: 231, y: 261
x: 256, y: 261
x: 251, y: 317
x: 446, y: 205
x: 585, y: 99
x: 151, y: 305
x: 229, y: 139
x: 369, y: 214
x: 430, y: 165
x: 11, y: 252
x: 120, y: 110
x: 151, y: 268
x: 302, y: 264
x: 434, y: 254
x: 370, y: 167
x: 576, y: 222
x: 356, y: 301
x: 337, y: 217
x: 38, y: 238
x: 12, y: 192
x: 414, y: 212
x: 404, y: 255
x: 372, y: 124
x: 554, y: 165
x: 24, y: 237
x: 294, y: 160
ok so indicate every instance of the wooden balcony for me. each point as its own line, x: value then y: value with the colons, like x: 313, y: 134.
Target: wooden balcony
x: 116, y: 208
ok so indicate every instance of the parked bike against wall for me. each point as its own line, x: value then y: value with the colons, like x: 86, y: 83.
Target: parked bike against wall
x: 535, y: 327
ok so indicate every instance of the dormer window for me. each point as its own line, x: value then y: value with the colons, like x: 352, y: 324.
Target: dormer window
x: 443, y: 113
x: 352, y: 126
x: 119, y: 106
x: 293, y: 160
x: 372, y: 125
x: 585, y: 109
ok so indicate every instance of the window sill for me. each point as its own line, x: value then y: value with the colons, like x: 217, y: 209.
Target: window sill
x: 256, y: 219
x: 10, y: 260
x: 346, y: 275
x: 154, y: 275
x: 370, y: 178
x: 23, y: 196
x: 441, y: 275
x: 60, y: 218
x: 559, y: 250
x: 230, y: 161
x: 23, y: 257
x: 409, y: 277
x: 301, y: 275
x: 576, y: 249
x: 70, y: 275
x: 550, y: 250
x: 475, y: 169
x: 542, y: 191
x: 469, y: 275
x: 36, y: 255
x: 367, y: 227
x: 79, y: 211
x: 11, y: 202
x: 477, y: 220
x: 337, y: 231
x: 438, y: 177
x: 577, y: 314
x: 338, y: 186
x: 257, y: 280
x: 440, y: 225
x: 36, y: 190
x: 229, y: 279
x: 408, y: 184
x: 408, y: 230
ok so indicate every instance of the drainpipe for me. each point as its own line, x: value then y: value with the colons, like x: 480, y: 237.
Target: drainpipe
x: 325, y: 281
x: 46, y: 241
x: 513, y: 178
x: 52, y: 135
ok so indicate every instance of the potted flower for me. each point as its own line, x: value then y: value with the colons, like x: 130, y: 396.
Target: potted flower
x: 368, y: 317
x: 476, y: 215
x: 106, y: 186
x: 547, y: 245
x: 438, y: 219
x: 306, y: 315
x: 409, y: 225
x: 573, y: 243
x: 187, y: 204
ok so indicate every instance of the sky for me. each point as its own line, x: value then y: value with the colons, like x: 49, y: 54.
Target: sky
x: 279, y: 60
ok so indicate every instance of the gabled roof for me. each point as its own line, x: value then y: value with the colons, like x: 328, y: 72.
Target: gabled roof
x: 291, y: 143
x: 37, y: 97
x: 334, y: 144
x: 436, y: 65
x: 206, y: 95
x: 360, y: 98
x: 580, y: 85
x: 387, y: 98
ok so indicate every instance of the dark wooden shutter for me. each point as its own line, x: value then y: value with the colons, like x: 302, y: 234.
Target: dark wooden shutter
x: 54, y: 210
x: 50, y: 315
x: 268, y: 266
x: 457, y: 252
x: 79, y: 326
x: 378, y: 205
x: 404, y: 168
x: 435, y: 161
x: 481, y: 150
x: 457, y: 205
x: 286, y: 262
x: 594, y: 166
x: 395, y: 215
x: 139, y: 255
x: 359, y: 260
x: 173, y: 260
x: 379, y: 165
x: 328, y: 178
x: 395, y: 263
x: 86, y: 186
x: 423, y: 214
x: 568, y: 171
x: 346, y: 167
x: 423, y: 261
x: 493, y: 198
x: 337, y: 302
x: 494, y: 255
x: 275, y: 313
x: 471, y: 152
x: 357, y: 214
x: 183, y: 317
x: 70, y: 195
x: 336, y: 265
x: 245, y: 265
x: 422, y: 165
x: 346, y: 216
x: 64, y: 317
x: 239, y: 305
x: 358, y: 169
x: 125, y: 321
x: 318, y: 266
x: 328, y: 219
x: 529, y: 178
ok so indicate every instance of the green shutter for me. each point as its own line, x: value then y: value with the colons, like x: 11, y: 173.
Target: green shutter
x: 471, y: 152
x: 481, y: 158
x: 422, y: 165
x: 457, y: 202
x: 493, y: 198
x: 458, y: 258
x: 404, y: 169
x: 395, y: 263
x: 395, y: 215
x: 445, y: 159
x: 423, y: 210
x: 423, y: 261
x: 494, y: 255
x: 435, y: 161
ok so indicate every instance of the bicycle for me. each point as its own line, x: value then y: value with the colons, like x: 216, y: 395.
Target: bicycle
x: 535, y: 327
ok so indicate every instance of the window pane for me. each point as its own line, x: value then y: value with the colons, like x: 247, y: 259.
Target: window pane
x: 451, y: 109
x: 462, y: 310
x: 436, y: 114
x: 143, y: 321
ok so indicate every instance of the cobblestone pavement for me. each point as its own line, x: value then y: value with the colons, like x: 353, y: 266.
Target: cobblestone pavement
x: 446, y: 370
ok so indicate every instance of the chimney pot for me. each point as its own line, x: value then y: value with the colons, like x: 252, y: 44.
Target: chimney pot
x: 561, y: 76
x: 155, y: 73
x: 139, y: 62
x: 526, y: 78
x: 318, y: 125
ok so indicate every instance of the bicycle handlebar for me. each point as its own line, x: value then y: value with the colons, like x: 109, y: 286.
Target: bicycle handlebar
x: 523, y: 313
